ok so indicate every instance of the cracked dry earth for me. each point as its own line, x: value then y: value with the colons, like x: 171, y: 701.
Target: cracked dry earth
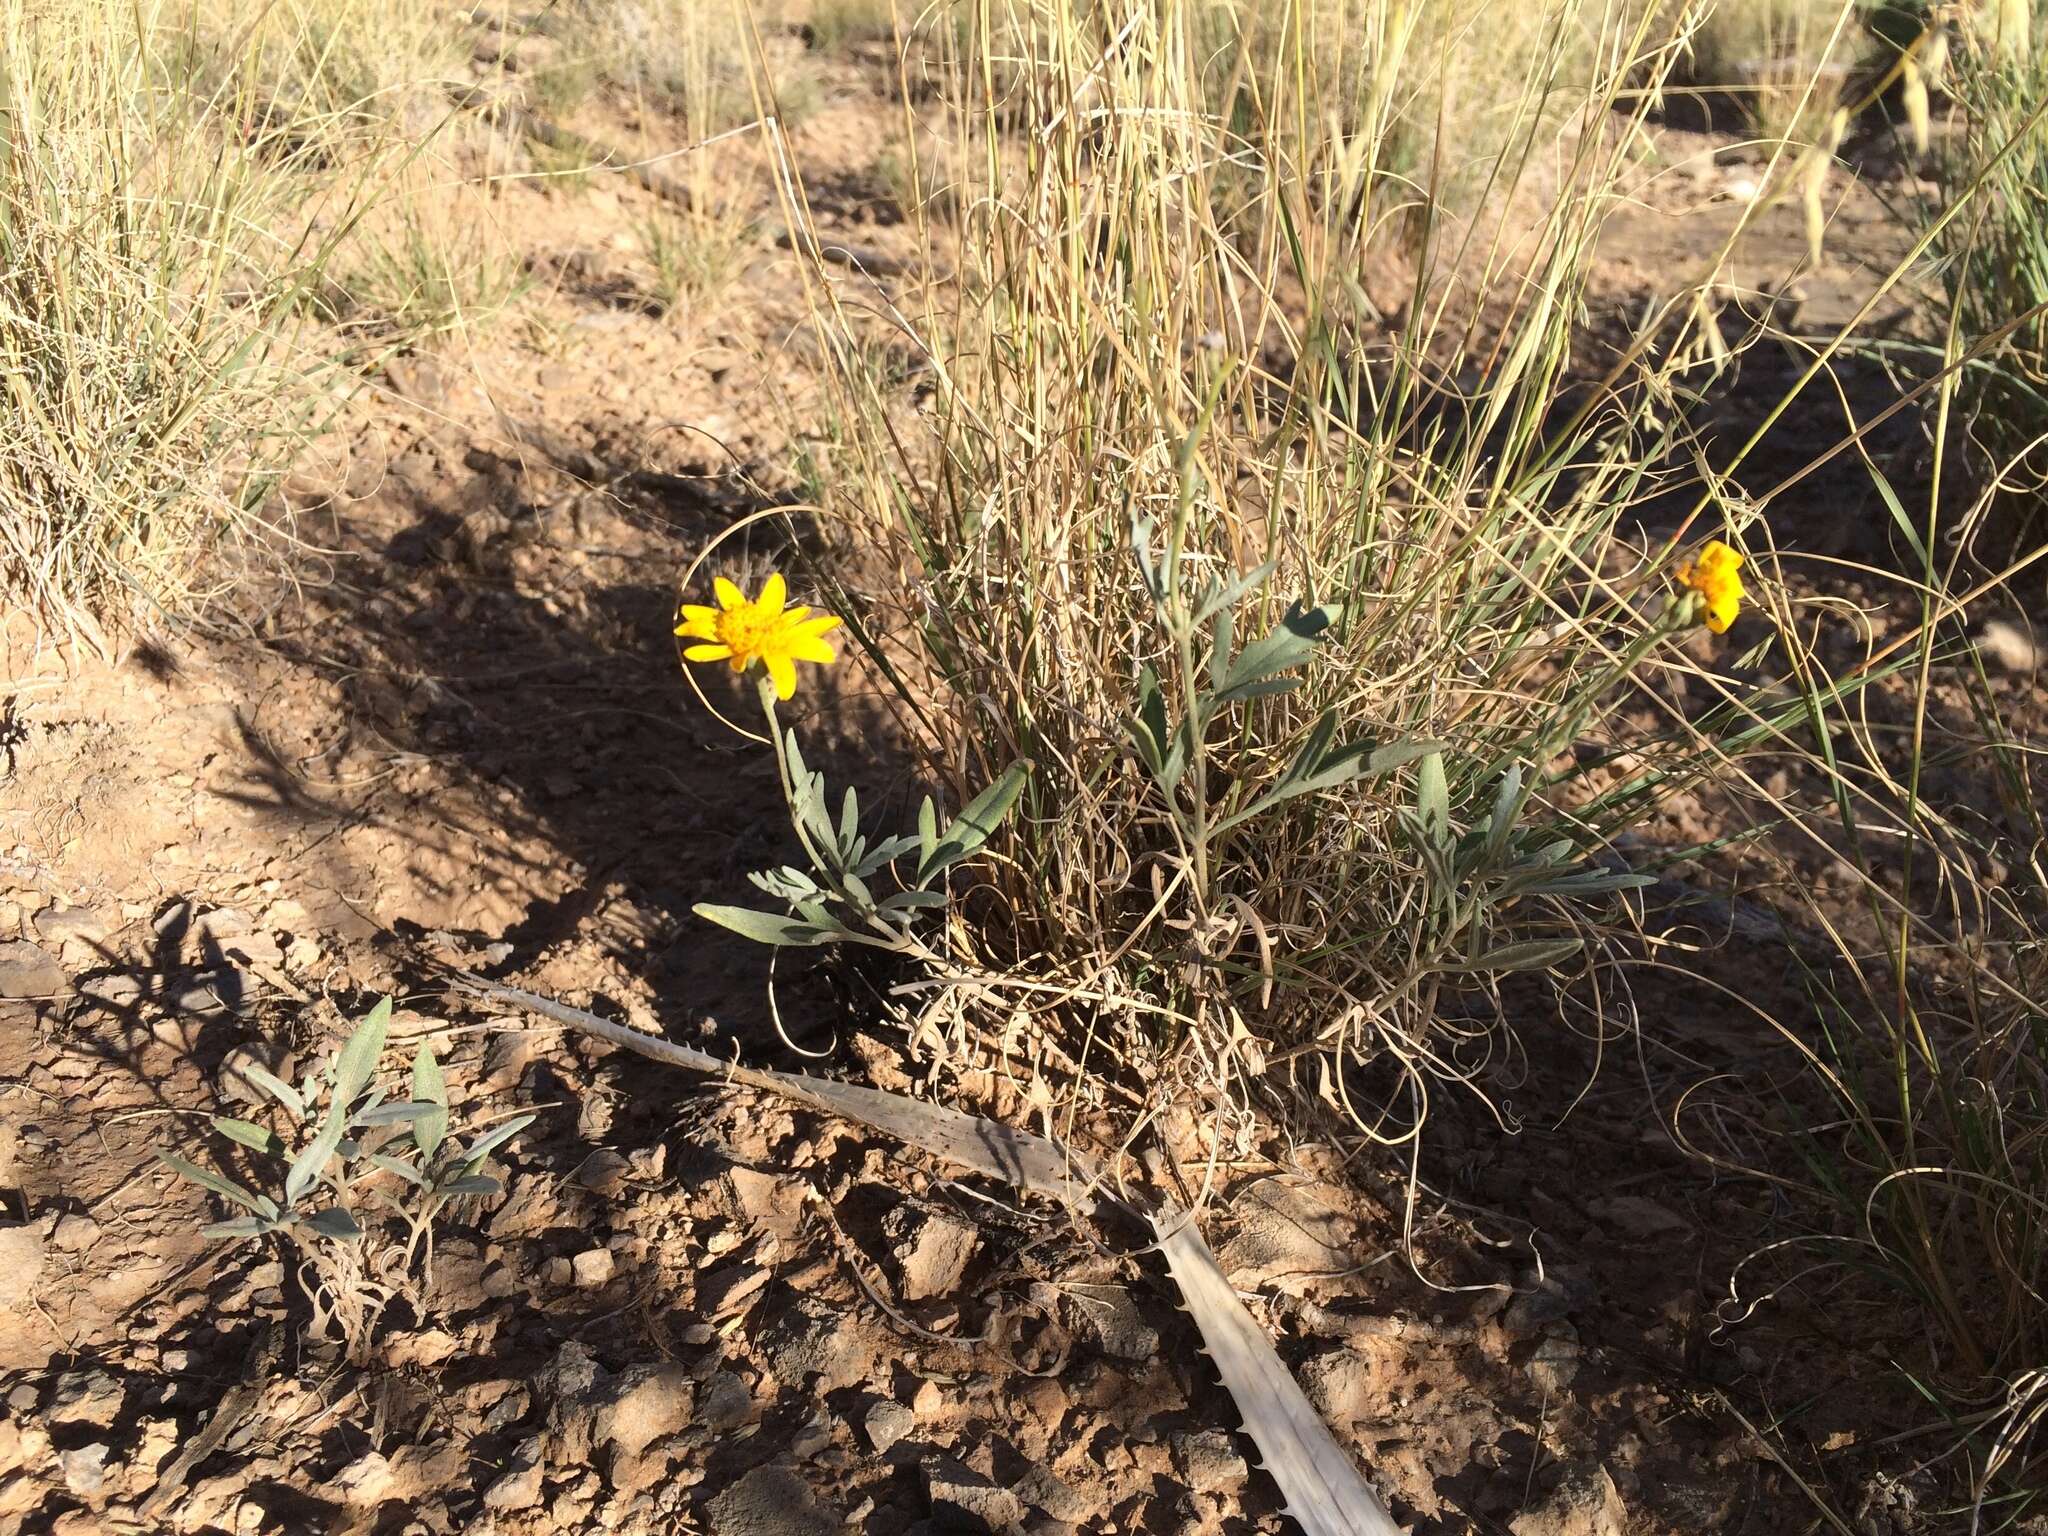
x: 693, y: 1308
x: 698, y: 1309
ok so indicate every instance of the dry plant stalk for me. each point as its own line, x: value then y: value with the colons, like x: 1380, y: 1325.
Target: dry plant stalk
x: 1325, y: 1492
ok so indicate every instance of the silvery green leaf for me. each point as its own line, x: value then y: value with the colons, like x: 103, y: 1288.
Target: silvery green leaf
x: 429, y: 1086
x: 334, y: 1222
x: 471, y: 1184
x: 492, y: 1139
x: 1288, y: 645
x: 764, y: 927
x: 1436, y: 857
x: 1232, y: 592
x: 890, y: 848
x: 207, y: 1179
x: 401, y: 1113
x: 1268, y: 688
x: 279, y: 1090
x: 1529, y: 955
x: 357, y: 1062
x: 977, y: 822
x: 1398, y: 754
x: 849, y: 817
x: 1507, y: 805
x: 1433, y: 797
x: 398, y: 1166
x: 313, y: 1158
x: 241, y: 1226
x: 809, y: 794
x: 1589, y: 882
x: 927, y: 831
x: 1219, y: 654
x: 1162, y: 749
x: 1317, y: 766
x: 249, y: 1135
x: 904, y: 900
x: 863, y: 898
x: 788, y: 882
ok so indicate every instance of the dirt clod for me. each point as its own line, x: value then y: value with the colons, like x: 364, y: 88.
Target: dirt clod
x: 21, y: 1263
x: 652, y: 1402
x: 726, y: 1402
x: 1584, y: 1503
x: 1116, y: 1325
x: 1042, y: 1490
x: 957, y: 1491
x: 87, y: 1397
x: 1210, y: 1460
x: 934, y: 1255
x: 366, y: 1481
x: 85, y: 1468
x: 514, y: 1490
x: 770, y: 1501
x: 593, y: 1268
x: 30, y: 971
x: 886, y: 1423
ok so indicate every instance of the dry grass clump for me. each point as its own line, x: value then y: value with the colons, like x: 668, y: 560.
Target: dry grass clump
x: 152, y: 246
x: 691, y: 57
x: 1314, y: 641
x: 1992, y: 258
x: 313, y: 72
x: 1787, y: 62
x: 432, y: 259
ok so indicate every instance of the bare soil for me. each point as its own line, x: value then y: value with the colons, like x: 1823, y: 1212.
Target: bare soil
x: 465, y: 738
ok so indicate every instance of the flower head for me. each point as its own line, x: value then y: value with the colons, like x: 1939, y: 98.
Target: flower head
x: 744, y: 631
x: 1716, y: 577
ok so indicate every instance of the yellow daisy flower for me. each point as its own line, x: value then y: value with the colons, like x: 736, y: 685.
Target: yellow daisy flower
x: 745, y: 631
x: 1715, y: 575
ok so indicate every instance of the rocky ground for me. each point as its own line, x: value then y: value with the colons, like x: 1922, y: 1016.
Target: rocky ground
x: 694, y: 1308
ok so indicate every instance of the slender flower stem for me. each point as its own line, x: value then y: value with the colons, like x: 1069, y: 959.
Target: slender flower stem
x: 766, y: 689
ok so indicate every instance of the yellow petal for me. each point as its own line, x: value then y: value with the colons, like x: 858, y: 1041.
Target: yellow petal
x: 822, y: 624
x: 783, y: 672
x: 811, y: 648
x: 699, y: 629
x: 697, y: 613
x: 772, y: 594
x: 729, y: 596
x: 707, y: 653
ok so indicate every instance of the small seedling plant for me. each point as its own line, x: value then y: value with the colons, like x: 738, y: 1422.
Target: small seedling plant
x: 356, y: 1180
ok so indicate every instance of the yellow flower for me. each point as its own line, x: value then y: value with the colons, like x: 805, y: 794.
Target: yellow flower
x: 1715, y: 575
x: 744, y: 632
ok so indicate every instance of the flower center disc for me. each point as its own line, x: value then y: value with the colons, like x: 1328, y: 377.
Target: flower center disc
x: 744, y: 630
